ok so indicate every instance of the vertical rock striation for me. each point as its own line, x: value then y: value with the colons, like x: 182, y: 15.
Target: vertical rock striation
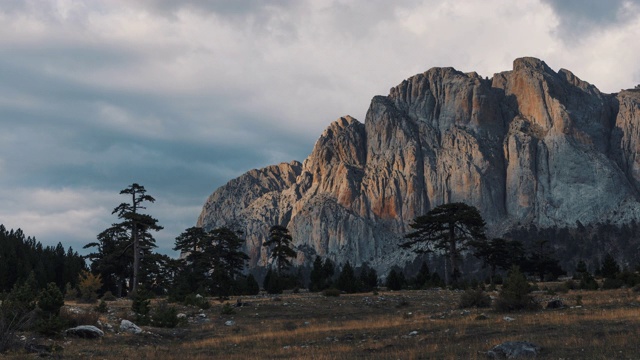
x: 529, y: 146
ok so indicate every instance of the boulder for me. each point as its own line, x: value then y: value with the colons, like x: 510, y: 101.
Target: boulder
x: 514, y: 350
x: 128, y: 326
x: 85, y: 331
x: 556, y: 304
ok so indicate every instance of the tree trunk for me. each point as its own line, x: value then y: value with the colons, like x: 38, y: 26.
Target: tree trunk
x: 453, y: 256
x: 136, y: 258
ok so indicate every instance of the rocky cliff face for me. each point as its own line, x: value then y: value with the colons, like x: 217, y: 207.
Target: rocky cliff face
x: 530, y: 146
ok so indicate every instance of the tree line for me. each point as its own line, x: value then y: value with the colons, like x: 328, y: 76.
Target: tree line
x: 213, y: 262
x: 22, y: 256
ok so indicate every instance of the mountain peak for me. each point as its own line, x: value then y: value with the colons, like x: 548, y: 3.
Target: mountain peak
x: 530, y: 147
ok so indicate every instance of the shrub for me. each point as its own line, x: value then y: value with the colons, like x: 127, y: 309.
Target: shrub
x: 227, y: 309
x: 515, y: 293
x: 70, y: 293
x: 333, y: 292
x: 108, y: 296
x: 11, y: 322
x: 102, y: 307
x: 474, y: 298
x: 612, y: 284
x: 88, y: 286
x: 588, y: 282
x: 77, y: 318
x: 165, y: 316
x: 50, y: 300
x: 197, y: 301
x: 141, y: 306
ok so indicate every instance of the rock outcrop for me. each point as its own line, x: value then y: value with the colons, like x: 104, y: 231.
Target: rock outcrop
x: 529, y: 146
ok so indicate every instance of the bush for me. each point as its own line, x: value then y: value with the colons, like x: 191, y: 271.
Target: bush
x: 227, y: 309
x: 88, y: 286
x: 73, y: 319
x: 609, y: 284
x: 70, y: 293
x: 50, y: 300
x: 197, y: 301
x: 588, y: 282
x: 165, y: 316
x: 108, y: 296
x: 333, y: 292
x: 474, y: 298
x: 102, y: 307
x: 515, y: 293
x: 141, y: 306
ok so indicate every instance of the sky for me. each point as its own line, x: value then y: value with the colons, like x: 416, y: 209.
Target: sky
x: 183, y: 96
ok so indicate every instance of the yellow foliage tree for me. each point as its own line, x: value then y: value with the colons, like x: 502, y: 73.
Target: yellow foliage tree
x: 88, y: 285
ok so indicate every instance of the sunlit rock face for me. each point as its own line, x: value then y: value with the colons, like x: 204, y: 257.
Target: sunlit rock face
x: 529, y: 146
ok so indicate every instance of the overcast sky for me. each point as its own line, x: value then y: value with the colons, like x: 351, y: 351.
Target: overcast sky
x: 182, y: 96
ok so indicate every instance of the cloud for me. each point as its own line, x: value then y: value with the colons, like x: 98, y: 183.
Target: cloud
x: 184, y: 96
x: 581, y: 18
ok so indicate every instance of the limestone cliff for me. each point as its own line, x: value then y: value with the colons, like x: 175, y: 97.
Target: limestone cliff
x: 529, y: 146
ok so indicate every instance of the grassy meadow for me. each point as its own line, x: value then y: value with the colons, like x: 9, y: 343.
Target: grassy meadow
x: 422, y: 324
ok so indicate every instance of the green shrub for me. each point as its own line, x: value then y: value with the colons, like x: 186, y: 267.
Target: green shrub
x: 50, y: 300
x: 197, y: 301
x: 515, y: 293
x: 609, y: 284
x: 70, y: 293
x: 108, y: 296
x: 165, y: 316
x: 141, y: 306
x: 474, y: 298
x: 102, y: 307
x: 587, y: 282
x: 227, y: 309
x: 333, y: 292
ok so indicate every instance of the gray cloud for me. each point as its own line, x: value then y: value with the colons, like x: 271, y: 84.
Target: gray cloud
x: 580, y: 18
x: 184, y: 96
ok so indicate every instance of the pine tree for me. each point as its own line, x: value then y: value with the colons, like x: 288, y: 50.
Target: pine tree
x: 280, y: 244
x: 347, y: 280
x: 121, y: 248
x: 610, y: 268
x: 449, y: 228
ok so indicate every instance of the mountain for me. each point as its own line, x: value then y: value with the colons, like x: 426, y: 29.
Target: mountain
x: 530, y: 146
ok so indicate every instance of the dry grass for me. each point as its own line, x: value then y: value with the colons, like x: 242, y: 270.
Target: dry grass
x: 365, y: 326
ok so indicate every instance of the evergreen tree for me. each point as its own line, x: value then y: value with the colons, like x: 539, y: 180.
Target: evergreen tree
x: 395, y: 280
x: 227, y: 259
x: 541, y: 262
x: 515, y: 293
x: 121, y: 248
x: 499, y: 253
x: 610, y: 268
x: 280, y: 245
x: 368, y: 278
x: 252, y: 286
x: 347, y: 280
x: 449, y: 228
x: 423, y: 277
x: 273, y: 283
x: 20, y: 255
